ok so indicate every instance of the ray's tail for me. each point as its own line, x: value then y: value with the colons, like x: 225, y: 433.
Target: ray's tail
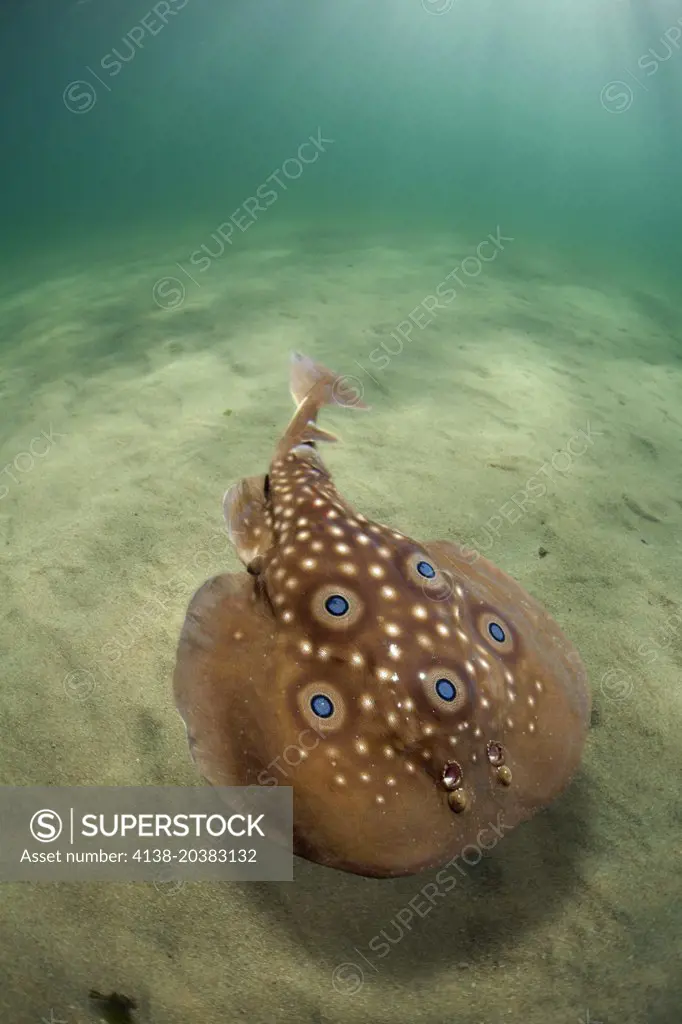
x: 313, y: 386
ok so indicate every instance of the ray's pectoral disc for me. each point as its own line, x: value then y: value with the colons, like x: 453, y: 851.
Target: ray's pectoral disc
x: 411, y: 698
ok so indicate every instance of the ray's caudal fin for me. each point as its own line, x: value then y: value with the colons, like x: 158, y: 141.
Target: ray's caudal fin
x: 312, y: 386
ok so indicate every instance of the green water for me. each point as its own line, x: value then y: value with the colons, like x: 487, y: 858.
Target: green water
x: 183, y: 185
x: 560, y: 121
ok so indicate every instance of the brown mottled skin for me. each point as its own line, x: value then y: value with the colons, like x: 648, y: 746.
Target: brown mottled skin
x: 451, y: 702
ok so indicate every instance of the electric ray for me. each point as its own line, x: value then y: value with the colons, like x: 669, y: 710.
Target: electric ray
x: 414, y: 698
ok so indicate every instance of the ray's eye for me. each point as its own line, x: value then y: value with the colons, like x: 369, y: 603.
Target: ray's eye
x: 321, y: 706
x: 337, y: 605
x: 496, y: 632
x: 446, y: 689
x: 426, y: 570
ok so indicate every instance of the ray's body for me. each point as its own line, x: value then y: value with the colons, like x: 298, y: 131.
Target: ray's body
x: 421, y: 698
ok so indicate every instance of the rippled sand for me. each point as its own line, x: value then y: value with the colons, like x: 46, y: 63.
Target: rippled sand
x: 143, y: 414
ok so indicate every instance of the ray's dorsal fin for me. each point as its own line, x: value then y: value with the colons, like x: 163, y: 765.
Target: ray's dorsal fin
x: 313, y: 433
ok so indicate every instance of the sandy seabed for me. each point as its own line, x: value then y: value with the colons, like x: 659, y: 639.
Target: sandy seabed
x: 146, y: 414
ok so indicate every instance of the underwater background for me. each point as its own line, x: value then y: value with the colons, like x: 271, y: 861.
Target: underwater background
x: 191, y: 190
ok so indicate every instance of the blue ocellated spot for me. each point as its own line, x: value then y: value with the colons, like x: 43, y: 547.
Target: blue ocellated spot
x: 336, y: 605
x: 446, y: 689
x: 496, y: 632
x: 426, y: 570
x: 322, y: 706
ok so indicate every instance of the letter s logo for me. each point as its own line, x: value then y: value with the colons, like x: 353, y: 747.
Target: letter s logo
x: 46, y: 826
